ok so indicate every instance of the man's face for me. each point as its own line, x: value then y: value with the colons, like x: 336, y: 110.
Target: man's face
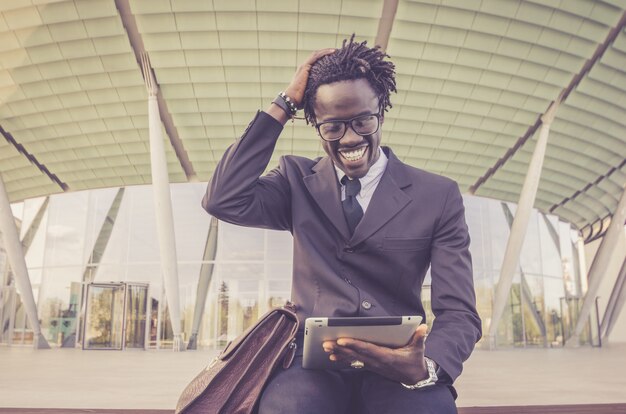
x: 353, y: 154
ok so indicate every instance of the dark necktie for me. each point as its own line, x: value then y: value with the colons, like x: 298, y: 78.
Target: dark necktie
x: 351, y: 207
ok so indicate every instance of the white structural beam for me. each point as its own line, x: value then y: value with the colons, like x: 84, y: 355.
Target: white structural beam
x: 15, y: 254
x: 599, y: 267
x: 163, y: 207
x: 204, y: 281
x: 615, y: 305
x: 385, y: 24
x: 520, y: 223
x: 136, y: 42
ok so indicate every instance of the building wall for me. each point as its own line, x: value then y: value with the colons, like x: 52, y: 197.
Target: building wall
x: 109, y: 235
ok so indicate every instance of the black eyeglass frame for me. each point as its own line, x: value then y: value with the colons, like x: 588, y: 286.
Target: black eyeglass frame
x: 348, y: 123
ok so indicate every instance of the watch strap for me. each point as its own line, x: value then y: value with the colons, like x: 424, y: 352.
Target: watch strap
x: 431, y: 380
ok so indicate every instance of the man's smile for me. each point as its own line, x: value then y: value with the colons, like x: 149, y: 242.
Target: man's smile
x: 353, y: 155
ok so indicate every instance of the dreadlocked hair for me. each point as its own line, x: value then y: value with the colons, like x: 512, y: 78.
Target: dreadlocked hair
x: 353, y: 61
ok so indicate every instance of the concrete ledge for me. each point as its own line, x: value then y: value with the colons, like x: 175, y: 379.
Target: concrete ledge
x: 531, y: 409
x: 548, y: 409
x: 151, y: 381
x: 78, y: 411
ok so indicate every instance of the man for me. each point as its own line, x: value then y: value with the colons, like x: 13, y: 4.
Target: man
x: 366, y: 227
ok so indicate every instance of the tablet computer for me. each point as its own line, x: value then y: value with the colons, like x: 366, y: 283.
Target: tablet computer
x: 390, y: 331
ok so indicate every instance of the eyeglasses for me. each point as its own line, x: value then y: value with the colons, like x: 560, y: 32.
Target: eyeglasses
x: 362, y: 125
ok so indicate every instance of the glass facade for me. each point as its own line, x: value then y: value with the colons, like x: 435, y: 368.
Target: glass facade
x: 93, y: 261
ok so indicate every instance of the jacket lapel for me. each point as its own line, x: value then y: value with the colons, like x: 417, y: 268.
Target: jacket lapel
x: 324, y: 188
x: 387, y: 201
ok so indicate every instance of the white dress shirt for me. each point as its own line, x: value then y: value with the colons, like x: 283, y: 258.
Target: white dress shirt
x: 368, y: 183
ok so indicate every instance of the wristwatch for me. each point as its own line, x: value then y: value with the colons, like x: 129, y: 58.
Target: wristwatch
x: 431, y: 380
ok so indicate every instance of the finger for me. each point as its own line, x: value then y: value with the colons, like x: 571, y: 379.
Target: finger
x: 419, y: 336
x: 376, y: 363
x: 341, y: 362
x: 373, y: 355
x: 341, y: 354
x: 362, y: 347
x: 347, y: 355
x: 318, y: 54
x: 305, y: 67
x: 329, y: 346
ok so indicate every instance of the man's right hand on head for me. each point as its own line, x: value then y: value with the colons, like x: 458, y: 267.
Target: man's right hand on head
x: 295, y: 90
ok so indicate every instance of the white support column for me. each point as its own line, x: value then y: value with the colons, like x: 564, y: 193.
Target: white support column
x: 204, y: 281
x: 615, y: 305
x: 163, y: 207
x: 520, y: 224
x: 15, y: 254
x: 599, y: 266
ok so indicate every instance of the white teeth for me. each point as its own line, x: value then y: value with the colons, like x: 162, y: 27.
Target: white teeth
x: 353, y: 155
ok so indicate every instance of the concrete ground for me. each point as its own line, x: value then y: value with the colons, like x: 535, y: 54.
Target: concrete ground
x: 71, y: 378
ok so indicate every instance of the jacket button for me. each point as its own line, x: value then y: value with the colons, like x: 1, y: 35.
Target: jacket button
x: 366, y: 305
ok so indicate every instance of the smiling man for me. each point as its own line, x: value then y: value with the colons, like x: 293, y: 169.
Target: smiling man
x: 366, y: 228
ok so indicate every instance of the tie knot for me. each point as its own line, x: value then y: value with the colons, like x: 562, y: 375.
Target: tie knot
x: 352, y: 186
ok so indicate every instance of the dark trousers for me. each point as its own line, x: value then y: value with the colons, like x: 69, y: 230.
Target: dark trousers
x: 303, y: 391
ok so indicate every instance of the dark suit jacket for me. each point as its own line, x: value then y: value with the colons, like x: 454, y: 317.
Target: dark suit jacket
x: 415, y: 219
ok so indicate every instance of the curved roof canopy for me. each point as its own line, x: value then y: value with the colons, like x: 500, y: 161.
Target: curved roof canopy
x: 474, y: 78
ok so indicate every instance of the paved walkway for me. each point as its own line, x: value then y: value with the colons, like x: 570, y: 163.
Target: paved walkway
x: 71, y: 378
x: 544, y: 377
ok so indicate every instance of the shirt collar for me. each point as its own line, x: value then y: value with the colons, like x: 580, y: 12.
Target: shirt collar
x: 373, y: 173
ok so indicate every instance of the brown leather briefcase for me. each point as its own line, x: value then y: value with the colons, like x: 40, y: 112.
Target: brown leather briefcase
x: 233, y: 382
